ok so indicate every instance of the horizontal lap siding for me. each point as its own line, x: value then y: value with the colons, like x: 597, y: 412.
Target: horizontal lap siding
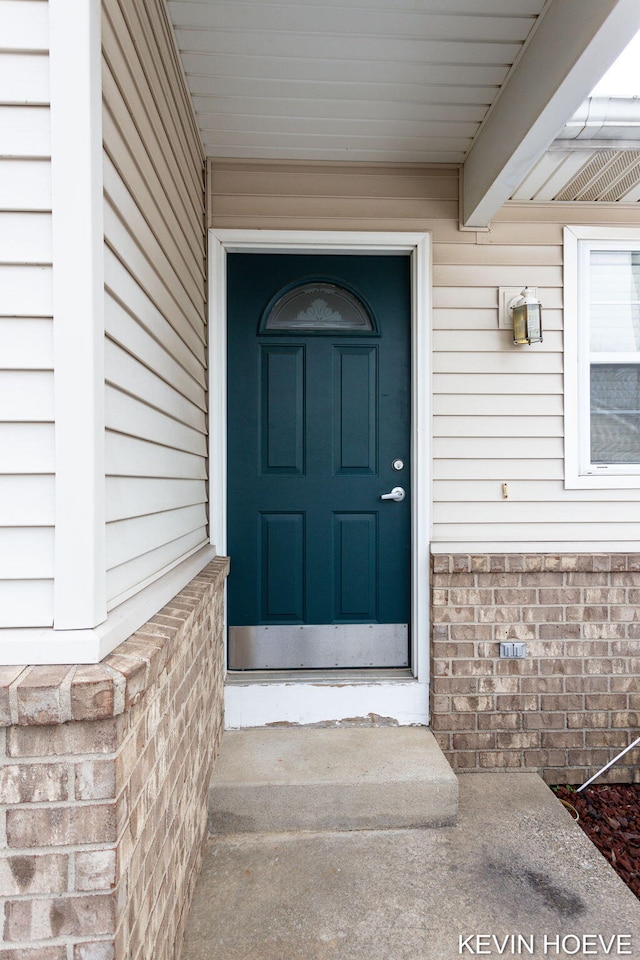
x: 332, y: 197
x: 155, y: 320
x: 498, y: 410
x: 26, y: 325
x: 505, y: 423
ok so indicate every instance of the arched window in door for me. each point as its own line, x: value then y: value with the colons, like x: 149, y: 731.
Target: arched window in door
x: 317, y: 306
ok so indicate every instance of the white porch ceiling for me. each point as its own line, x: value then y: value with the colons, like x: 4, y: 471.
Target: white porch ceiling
x: 363, y: 80
x: 487, y: 84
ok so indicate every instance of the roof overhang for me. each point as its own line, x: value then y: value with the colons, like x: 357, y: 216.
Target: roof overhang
x: 574, y: 43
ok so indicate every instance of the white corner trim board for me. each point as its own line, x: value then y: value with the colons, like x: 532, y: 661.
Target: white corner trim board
x: 78, y: 308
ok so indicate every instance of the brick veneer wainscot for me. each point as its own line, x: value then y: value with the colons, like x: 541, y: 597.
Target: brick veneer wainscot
x: 574, y: 702
x: 104, y: 774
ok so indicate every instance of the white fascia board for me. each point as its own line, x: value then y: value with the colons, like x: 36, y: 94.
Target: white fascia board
x: 574, y: 44
x: 78, y: 305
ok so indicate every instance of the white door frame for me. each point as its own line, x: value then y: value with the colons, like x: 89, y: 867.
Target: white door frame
x: 263, y: 698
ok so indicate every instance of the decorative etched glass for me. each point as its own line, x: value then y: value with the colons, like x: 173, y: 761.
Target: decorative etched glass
x: 318, y: 307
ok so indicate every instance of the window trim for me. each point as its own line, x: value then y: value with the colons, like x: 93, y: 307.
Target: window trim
x: 578, y: 243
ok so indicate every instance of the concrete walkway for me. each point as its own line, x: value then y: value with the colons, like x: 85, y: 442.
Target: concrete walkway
x: 515, y: 866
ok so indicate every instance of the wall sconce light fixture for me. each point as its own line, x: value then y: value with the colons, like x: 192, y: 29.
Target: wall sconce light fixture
x: 525, y: 311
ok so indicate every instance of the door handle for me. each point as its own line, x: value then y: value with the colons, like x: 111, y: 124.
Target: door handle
x: 396, y: 494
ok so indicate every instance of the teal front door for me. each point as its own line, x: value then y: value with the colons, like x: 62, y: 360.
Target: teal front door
x: 319, y: 524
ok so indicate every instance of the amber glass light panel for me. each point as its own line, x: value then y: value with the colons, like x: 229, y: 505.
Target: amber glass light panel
x: 527, y: 323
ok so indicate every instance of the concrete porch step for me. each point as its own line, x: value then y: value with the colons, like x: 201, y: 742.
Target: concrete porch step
x: 331, y: 778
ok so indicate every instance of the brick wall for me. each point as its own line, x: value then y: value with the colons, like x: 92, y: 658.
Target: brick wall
x: 104, y: 773
x: 574, y: 702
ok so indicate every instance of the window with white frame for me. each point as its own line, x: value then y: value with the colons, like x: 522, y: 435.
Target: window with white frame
x: 602, y: 357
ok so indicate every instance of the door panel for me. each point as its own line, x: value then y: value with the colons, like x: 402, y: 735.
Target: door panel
x: 355, y: 409
x: 282, y: 410
x: 281, y: 571
x: 355, y: 566
x: 316, y: 419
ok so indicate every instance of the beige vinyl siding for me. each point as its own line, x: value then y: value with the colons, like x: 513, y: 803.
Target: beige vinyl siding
x: 155, y: 319
x: 26, y: 325
x: 326, y: 196
x: 498, y: 410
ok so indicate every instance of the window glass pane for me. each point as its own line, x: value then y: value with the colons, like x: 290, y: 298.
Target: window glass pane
x: 615, y: 413
x: 615, y: 327
x: 319, y: 307
x: 615, y: 276
x: 615, y: 301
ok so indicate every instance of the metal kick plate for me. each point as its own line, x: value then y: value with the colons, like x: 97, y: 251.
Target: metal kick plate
x: 319, y: 646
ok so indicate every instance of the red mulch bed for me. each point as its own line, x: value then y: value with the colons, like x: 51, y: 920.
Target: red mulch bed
x: 610, y: 817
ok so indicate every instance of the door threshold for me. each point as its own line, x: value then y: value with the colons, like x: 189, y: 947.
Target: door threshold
x: 257, y: 698
x: 353, y: 675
